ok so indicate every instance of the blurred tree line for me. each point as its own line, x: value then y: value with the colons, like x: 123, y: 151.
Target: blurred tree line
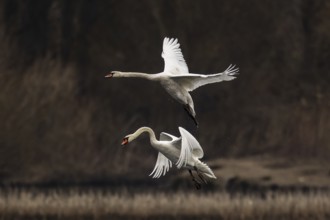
x: 63, y: 121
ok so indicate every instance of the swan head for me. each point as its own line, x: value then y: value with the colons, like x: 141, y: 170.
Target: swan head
x: 112, y: 74
x: 127, y: 139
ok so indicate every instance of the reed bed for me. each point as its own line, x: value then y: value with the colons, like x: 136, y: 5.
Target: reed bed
x: 157, y: 205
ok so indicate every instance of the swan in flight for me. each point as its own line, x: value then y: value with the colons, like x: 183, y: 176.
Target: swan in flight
x: 176, y: 79
x: 184, y: 152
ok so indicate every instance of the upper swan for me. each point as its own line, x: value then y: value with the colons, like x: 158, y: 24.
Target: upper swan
x: 176, y: 79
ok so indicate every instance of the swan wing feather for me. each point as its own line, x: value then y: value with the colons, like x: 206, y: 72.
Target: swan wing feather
x: 196, y: 148
x: 166, y: 137
x: 173, y: 58
x: 189, y: 147
x: 162, y: 166
x: 175, y: 141
x: 192, y: 81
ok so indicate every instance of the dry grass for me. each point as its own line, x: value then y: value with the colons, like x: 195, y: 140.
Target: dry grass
x: 143, y: 205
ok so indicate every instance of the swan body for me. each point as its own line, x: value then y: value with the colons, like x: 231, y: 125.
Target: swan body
x: 184, y: 152
x: 176, y: 79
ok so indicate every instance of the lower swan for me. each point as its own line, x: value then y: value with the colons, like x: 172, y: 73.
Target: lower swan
x: 184, y: 152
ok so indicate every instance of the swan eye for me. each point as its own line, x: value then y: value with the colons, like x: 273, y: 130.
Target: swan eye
x: 125, y: 141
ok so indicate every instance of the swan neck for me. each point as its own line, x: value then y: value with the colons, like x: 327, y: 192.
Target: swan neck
x: 136, y: 75
x: 151, y: 133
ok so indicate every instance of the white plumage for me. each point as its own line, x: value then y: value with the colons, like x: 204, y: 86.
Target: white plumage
x: 173, y: 58
x: 176, y: 79
x: 184, y: 152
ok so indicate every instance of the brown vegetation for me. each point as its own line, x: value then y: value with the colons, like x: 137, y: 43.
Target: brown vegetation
x: 189, y: 205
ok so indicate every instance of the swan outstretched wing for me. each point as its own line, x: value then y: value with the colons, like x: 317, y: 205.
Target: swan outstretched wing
x: 192, y: 81
x: 162, y: 166
x: 173, y: 58
x: 167, y: 137
x: 175, y: 141
x: 189, y: 147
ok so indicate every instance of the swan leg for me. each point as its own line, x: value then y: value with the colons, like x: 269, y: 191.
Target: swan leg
x: 188, y: 110
x: 197, y: 184
x: 200, y: 175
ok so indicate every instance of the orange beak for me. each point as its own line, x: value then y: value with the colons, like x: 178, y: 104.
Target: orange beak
x: 124, y: 142
x: 109, y: 75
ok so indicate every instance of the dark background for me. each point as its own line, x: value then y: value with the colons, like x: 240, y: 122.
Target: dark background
x: 62, y: 121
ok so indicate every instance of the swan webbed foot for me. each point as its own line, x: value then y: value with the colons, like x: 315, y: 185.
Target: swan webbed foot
x: 202, y: 178
x: 200, y: 175
x: 198, y: 185
x: 196, y: 122
x: 188, y: 110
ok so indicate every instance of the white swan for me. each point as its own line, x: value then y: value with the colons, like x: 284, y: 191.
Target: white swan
x: 184, y: 152
x: 176, y: 78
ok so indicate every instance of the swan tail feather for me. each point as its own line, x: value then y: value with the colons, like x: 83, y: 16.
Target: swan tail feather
x: 205, y: 170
